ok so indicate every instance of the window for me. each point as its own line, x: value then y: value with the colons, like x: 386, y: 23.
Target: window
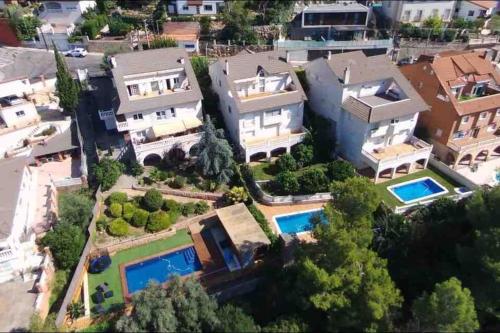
x: 165, y: 114
x: 20, y: 113
x: 458, y: 135
x: 176, y: 80
x: 394, y: 121
x: 498, y: 113
x: 418, y: 16
x: 483, y: 115
x: 439, y: 132
x: 406, y: 15
x: 185, y: 7
x: 470, y: 13
x: 435, y: 12
x: 482, y: 13
x: 133, y: 89
x: 446, y: 15
x: 155, y: 86
x: 492, y: 127
x: 229, y: 109
x: 273, y: 113
x: 138, y: 116
x: 208, y: 8
x: 465, y: 120
x: 478, y: 90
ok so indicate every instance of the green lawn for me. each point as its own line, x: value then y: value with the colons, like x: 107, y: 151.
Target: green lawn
x: 112, y: 274
x: 391, y: 200
x: 267, y: 171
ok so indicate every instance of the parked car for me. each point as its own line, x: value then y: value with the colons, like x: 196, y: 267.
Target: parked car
x: 11, y: 100
x: 78, y: 52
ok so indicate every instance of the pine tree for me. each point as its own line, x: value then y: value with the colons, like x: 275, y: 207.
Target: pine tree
x: 66, y: 87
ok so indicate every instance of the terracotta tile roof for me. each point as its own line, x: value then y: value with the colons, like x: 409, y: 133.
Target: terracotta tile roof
x: 182, y: 31
x: 484, y: 3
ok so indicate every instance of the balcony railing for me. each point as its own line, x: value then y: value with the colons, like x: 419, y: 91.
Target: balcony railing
x: 473, y: 145
x: 422, y: 147
x: 6, y: 255
x: 333, y: 44
x: 122, y: 126
x: 271, y: 143
x: 188, y: 138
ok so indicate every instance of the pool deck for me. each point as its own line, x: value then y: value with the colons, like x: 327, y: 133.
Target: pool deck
x: 484, y: 174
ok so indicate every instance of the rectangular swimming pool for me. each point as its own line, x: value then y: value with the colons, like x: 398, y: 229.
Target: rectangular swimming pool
x: 182, y: 262
x: 417, y: 189
x: 297, y: 222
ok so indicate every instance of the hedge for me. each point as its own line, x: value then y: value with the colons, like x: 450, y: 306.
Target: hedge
x: 140, y: 218
x: 128, y: 211
x: 158, y: 221
x: 115, y: 209
x: 152, y: 200
x: 118, y: 197
x: 118, y: 227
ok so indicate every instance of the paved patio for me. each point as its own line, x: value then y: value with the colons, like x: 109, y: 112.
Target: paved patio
x: 15, y: 313
x: 485, y: 173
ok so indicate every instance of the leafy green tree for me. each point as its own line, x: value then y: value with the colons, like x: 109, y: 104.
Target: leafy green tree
x: 107, y: 172
x: 286, y: 162
x: 450, y: 308
x: 234, y: 319
x: 66, y: 244
x: 287, y: 182
x: 313, y: 180
x: 104, y: 6
x: 236, y: 194
x: 24, y: 25
x: 75, y: 310
x: 215, y: 157
x: 303, y: 154
x: 340, y: 170
x: 237, y: 23
x: 66, y: 87
x: 183, y: 306
x: 152, y: 200
x: 286, y: 325
x: 433, y: 22
x: 495, y: 23
x: 356, y: 197
x: 75, y: 208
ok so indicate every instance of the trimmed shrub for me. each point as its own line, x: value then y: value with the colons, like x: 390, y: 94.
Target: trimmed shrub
x: 286, y: 162
x: 188, y: 208
x: 170, y: 205
x: 340, y: 170
x: 118, y: 227
x: 152, y: 200
x: 178, y: 182
x: 314, y: 181
x: 158, y: 221
x: 140, y: 218
x: 201, y: 207
x: 115, y: 209
x: 236, y: 194
x: 128, y: 211
x: 101, y: 223
x: 303, y: 154
x: 136, y: 169
x: 118, y: 197
x: 287, y: 182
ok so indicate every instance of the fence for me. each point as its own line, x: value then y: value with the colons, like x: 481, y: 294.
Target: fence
x: 186, y: 194
x: 270, y: 200
x: 453, y: 174
x: 213, y: 50
x: 405, y: 208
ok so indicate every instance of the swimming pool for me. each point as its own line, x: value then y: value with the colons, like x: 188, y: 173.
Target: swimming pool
x: 296, y: 223
x: 417, y: 189
x: 161, y: 268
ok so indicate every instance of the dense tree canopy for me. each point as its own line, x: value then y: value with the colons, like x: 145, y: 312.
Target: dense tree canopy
x: 234, y: 319
x: 66, y: 243
x: 66, y: 87
x: 75, y: 208
x: 107, y: 172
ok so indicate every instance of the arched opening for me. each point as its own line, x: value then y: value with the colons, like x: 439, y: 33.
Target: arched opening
x: 465, y: 160
x: 176, y: 154
x: 450, y: 159
x: 387, y: 173
x: 152, y: 159
x: 277, y: 152
x: 482, y: 156
x: 420, y: 164
x: 258, y: 157
x: 496, y: 152
x: 403, y: 168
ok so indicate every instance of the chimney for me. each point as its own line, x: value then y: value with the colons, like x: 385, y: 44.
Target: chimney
x: 329, y: 57
x: 227, y: 67
x: 347, y: 74
x: 112, y: 61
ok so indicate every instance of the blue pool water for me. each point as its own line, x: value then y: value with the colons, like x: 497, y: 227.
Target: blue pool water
x: 182, y: 262
x: 295, y: 223
x: 498, y: 176
x: 418, y: 190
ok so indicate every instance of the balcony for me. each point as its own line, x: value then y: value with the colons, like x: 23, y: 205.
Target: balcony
x: 290, y: 88
x: 334, y: 44
x: 472, y: 144
x: 6, y: 255
x: 395, y: 155
x: 164, y: 144
x: 258, y: 145
x: 122, y: 126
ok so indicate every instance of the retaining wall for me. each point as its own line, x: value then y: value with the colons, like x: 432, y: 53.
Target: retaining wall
x: 186, y: 194
x: 453, y: 174
x: 280, y: 200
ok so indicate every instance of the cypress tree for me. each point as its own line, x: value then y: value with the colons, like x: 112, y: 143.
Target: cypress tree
x: 66, y: 87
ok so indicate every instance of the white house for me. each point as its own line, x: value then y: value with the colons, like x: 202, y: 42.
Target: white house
x: 59, y: 19
x: 18, y: 253
x: 471, y: 10
x: 15, y: 110
x: 186, y: 34
x: 373, y: 111
x: 417, y: 11
x: 158, y: 102
x: 261, y: 100
x: 195, y: 7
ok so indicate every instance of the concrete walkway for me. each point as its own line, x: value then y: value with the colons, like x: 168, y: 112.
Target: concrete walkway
x: 485, y: 174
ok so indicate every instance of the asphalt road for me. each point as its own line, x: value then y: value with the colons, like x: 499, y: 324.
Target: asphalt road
x: 18, y: 62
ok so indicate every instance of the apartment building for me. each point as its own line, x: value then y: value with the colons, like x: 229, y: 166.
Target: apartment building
x: 471, y: 10
x: 346, y: 20
x: 195, y: 7
x: 417, y: 11
x: 17, y: 241
x: 261, y: 100
x: 463, y: 90
x: 158, y: 102
x: 373, y: 111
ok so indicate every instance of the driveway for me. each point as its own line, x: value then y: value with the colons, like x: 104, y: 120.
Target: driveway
x: 18, y: 62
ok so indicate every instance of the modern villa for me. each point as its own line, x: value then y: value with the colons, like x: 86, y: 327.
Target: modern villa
x: 373, y: 111
x: 261, y: 100
x: 158, y: 103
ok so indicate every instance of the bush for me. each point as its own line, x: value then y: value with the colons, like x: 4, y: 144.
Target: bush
x: 178, y: 182
x: 128, y: 211
x: 136, y: 169
x: 116, y: 197
x: 201, y: 207
x: 152, y: 200
x: 286, y: 162
x: 75, y: 208
x: 303, y: 154
x: 115, y: 209
x: 118, y: 28
x: 236, y: 194
x: 66, y: 243
x: 140, y: 218
x: 264, y: 224
x: 188, y: 208
x: 170, y: 205
x: 314, y: 181
x: 158, y: 221
x: 118, y: 228
x: 107, y: 172
x: 101, y: 223
x: 340, y: 170
x: 287, y: 182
